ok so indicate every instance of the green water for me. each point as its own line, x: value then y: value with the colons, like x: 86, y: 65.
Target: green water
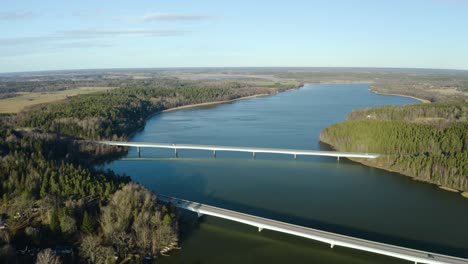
x: 317, y: 192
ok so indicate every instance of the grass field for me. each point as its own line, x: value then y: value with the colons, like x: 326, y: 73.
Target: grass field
x: 18, y: 103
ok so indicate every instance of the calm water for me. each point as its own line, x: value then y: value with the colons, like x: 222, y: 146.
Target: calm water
x: 317, y: 192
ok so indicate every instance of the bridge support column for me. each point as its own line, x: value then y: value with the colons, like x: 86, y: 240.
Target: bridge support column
x: 199, y: 215
x: 214, y: 153
x: 175, y: 153
x: 331, y: 245
x: 260, y: 229
x: 138, y: 150
x: 295, y: 156
x: 338, y: 158
x: 253, y: 155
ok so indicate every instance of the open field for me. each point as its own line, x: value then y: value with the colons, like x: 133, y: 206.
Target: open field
x: 26, y: 99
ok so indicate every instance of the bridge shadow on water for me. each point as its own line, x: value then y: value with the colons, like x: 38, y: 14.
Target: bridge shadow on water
x: 193, y: 223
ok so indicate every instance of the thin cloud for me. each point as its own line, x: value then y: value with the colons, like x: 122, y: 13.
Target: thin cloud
x: 6, y: 16
x: 88, y: 13
x: 24, y: 40
x: 71, y: 45
x: 92, y: 33
x: 171, y: 17
x: 52, y: 47
x: 76, y: 35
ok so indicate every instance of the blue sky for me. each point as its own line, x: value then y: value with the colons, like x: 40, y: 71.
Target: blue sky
x: 54, y: 35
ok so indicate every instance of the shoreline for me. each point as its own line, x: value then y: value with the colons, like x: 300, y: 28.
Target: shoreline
x: 213, y: 103
x: 192, y: 106
x: 462, y: 193
x: 130, y: 135
x: 424, y: 101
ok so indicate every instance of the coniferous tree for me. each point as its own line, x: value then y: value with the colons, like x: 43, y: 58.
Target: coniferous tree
x: 54, y: 220
x: 87, y: 226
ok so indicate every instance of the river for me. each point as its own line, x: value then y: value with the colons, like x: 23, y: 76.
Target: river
x: 318, y: 192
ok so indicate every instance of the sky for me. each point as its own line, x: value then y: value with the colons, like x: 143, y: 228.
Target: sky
x: 85, y: 34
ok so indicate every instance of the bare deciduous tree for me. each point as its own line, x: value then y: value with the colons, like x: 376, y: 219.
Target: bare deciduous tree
x: 92, y: 251
x: 47, y: 256
x: 133, y: 221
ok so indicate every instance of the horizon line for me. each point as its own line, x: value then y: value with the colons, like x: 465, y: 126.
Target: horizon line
x: 234, y: 67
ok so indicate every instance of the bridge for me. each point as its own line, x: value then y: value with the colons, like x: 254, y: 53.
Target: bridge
x: 253, y: 150
x: 333, y: 239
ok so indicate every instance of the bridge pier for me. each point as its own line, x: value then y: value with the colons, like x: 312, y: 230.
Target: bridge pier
x: 338, y: 158
x: 199, y: 215
x: 331, y: 245
x: 253, y: 150
x: 260, y: 229
x: 175, y: 153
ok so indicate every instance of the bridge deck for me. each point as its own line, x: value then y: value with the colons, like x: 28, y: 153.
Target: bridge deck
x: 242, y: 149
x: 416, y: 256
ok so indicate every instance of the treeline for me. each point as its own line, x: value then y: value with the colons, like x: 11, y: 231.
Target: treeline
x: 8, y: 87
x: 116, y: 113
x: 11, y: 86
x: 49, y: 201
x: 397, y: 137
x: 438, y: 114
x: 427, y: 142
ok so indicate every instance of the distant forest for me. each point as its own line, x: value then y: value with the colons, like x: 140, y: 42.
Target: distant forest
x: 116, y: 113
x: 434, y: 86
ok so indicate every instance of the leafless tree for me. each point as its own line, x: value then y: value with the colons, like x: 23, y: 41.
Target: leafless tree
x: 133, y: 221
x: 47, y: 256
x: 93, y: 252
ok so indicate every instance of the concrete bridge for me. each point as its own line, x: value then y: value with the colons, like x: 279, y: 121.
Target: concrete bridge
x: 333, y: 239
x: 253, y: 150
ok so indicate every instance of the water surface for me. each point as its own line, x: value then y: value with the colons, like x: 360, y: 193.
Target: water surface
x: 319, y: 192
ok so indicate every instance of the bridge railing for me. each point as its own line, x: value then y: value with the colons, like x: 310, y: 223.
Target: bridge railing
x: 253, y: 150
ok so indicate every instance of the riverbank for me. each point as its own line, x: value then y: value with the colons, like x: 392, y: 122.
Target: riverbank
x: 229, y: 101
x: 408, y: 165
x: 130, y: 135
x: 214, y: 103
x: 424, y: 101
x: 380, y: 164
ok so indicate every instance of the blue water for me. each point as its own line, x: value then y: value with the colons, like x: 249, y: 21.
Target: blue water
x: 318, y: 192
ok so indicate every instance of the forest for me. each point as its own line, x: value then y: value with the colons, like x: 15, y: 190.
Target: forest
x: 428, y: 142
x: 56, y: 207
x: 47, y: 201
x: 116, y: 113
